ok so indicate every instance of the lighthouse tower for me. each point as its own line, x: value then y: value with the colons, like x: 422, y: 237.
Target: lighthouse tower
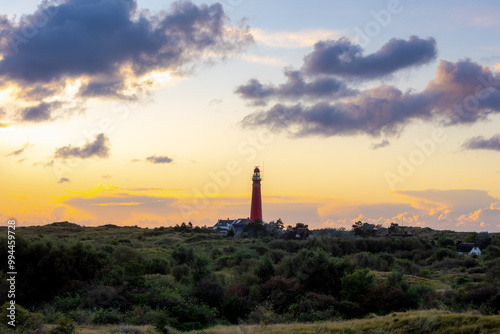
x: 256, y: 208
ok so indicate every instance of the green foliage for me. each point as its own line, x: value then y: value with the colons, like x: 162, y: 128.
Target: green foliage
x: 64, y: 326
x: 315, y: 270
x: 183, y: 254
x: 492, y: 251
x: 255, y: 229
x: 356, y: 284
x: 210, y: 293
x: 181, y: 273
x: 365, y: 230
x: 200, y: 267
x: 259, y: 280
x: 157, y: 265
x: 107, y: 316
x: 264, y: 269
x: 25, y: 321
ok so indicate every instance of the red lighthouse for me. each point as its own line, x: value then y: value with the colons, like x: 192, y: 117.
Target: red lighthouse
x: 256, y: 209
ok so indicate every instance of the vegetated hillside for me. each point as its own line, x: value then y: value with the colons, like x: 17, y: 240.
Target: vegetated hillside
x: 191, y: 278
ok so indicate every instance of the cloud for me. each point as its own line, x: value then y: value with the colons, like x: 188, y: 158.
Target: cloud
x: 19, y: 151
x: 40, y: 112
x: 123, y: 206
x: 383, y: 143
x: 295, y: 88
x: 98, y: 148
x: 159, y: 160
x: 292, y: 39
x: 343, y: 58
x: 462, y: 92
x: 382, y: 110
x: 108, y: 46
x: 63, y: 180
x: 457, y: 209
x: 481, y: 143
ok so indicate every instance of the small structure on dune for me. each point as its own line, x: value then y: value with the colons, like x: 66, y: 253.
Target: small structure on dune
x: 468, y: 248
x: 223, y: 226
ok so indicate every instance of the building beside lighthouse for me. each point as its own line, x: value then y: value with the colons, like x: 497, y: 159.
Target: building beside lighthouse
x: 223, y: 226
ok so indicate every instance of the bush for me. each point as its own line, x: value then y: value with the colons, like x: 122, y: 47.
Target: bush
x: 200, y: 267
x: 209, y: 292
x: 280, y: 292
x: 235, y: 307
x: 25, y: 321
x: 355, y: 285
x: 181, y: 273
x: 107, y: 316
x: 264, y: 269
x: 157, y: 265
x: 183, y: 254
x: 64, y: 326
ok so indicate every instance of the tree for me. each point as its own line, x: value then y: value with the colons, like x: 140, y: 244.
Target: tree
x: 279, y: 224
x: 255, y: 229
x: 365, y: 230
x: 393, y: 228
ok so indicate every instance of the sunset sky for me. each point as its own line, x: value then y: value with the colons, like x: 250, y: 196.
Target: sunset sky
x: 154, y: 113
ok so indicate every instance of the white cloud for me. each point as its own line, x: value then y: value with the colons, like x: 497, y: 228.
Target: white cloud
x: 294, y: 39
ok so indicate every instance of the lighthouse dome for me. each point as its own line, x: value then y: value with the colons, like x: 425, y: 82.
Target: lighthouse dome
x: 256, y: 170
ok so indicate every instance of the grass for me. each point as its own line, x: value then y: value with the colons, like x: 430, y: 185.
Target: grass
x: 421, y: 322
x: 414, y: 322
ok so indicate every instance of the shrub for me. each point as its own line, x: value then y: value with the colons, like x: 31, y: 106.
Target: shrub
x: 264, y: 269
x: 235, y: 307
x: 183, y: 254
x: 200, y: 267
x: 357, y: 284
x: 181, y: 273
x: 107, y: 316
x: 157, y: 265
x: 280, y: 291
x: 25, y: 320
x: 64, y: 326
x: 209, y: 292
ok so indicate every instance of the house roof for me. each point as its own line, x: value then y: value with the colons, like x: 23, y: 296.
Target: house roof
x: 236, y: 224
x: 466, y: 247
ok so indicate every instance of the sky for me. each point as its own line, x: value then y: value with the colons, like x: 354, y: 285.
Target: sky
x: 154, y: 113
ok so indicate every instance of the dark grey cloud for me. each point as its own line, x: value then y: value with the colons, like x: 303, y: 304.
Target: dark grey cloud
x: 462, y: 92
x: 344, y: 58
x: 98, y: 148
x: 159, y: 159
x: 63, y: 180
x: 383, y: 110
x: 108, y: 42
x: 40, y: 113
x: 482, y: 143
x: 295, y: 88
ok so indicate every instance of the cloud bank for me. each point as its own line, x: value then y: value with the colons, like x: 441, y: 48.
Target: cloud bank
x: 463, y: 92
x: 107, y: 48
